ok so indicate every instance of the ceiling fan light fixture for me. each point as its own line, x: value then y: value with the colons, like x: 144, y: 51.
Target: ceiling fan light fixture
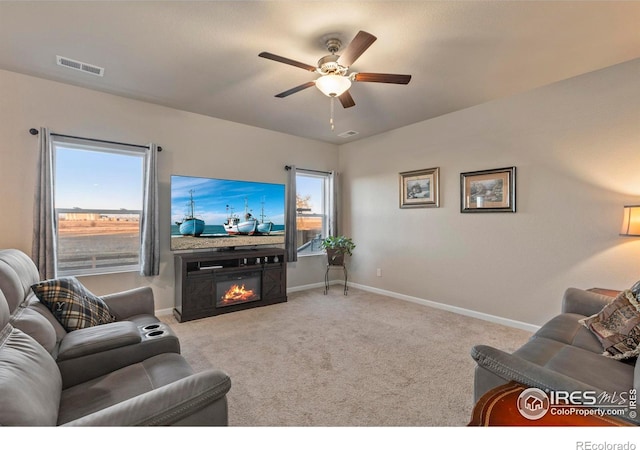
x: 333, y: 85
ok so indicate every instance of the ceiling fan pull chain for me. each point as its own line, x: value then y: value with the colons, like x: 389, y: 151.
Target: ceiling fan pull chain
x: 331, y: 118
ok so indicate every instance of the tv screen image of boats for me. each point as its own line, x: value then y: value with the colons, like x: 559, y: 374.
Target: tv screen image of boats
x: 212, y: 213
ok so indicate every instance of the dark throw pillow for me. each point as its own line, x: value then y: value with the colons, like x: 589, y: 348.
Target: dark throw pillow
x: 72, y: 304
x: 617, y: 326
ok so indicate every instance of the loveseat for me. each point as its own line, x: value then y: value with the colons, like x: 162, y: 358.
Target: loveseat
x: 563, y: 355
x: 126, y: 372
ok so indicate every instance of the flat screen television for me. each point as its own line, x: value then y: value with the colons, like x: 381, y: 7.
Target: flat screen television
x: 214, y: 213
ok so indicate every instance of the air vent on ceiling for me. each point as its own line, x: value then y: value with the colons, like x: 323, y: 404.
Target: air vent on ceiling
x: 348, y: 134
x: 78, y: 65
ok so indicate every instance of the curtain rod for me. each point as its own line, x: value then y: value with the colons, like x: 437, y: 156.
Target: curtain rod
x: 309, y: 170
x: 34, y: 132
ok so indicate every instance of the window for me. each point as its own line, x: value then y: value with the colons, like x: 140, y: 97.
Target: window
x: 98, y: 197
x: 312, y: 210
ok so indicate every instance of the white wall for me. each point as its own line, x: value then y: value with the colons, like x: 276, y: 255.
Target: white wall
x: 192, y: 145
x: 576, y: 146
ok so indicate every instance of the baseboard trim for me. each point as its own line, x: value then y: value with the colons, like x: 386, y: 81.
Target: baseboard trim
x: 455, y: 309
x: 164, y: 312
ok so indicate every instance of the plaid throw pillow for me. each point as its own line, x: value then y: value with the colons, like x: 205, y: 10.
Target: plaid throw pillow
x: 617, y: 326
x: 72, y: 304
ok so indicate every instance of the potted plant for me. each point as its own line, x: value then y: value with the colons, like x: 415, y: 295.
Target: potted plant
x: 336, y: 247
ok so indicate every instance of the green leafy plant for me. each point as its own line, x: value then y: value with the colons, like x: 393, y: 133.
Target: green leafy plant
x: 342, y: 245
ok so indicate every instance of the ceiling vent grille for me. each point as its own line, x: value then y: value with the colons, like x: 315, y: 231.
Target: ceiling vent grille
x: 78, y: 65
x: 348, y: 134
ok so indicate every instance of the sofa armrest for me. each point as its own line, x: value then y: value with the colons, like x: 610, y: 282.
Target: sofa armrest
x: 184, y: 402
x: 583, y: 302
x: 92, y: 365
x: 131, y: 303
x: 98, y: 339
x: 512, y: 367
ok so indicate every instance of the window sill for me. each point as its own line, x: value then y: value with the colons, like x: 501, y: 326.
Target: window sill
x: 306, y: 255
x: 98, y: 271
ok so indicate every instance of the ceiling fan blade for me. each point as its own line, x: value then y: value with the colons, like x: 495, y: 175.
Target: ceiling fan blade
x: 284, y: 94
x: 346, y: 100
x: 383, y: 78
x: 357, y: 47
x: 291, y: 62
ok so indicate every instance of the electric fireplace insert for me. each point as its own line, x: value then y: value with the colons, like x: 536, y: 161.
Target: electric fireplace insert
x: 234, y: 288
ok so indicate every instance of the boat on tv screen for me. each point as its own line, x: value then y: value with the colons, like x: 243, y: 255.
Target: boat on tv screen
x: 212, y: 213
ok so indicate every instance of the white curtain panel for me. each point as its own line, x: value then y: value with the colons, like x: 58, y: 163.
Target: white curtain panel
x: 150, y: 241
x: 43, y: 244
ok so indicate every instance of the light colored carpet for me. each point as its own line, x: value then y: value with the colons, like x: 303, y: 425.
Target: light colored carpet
x: 360, y: 360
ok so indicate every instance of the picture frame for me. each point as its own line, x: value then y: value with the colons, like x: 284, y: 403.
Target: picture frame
x: 491, y: 190
x: 420, y: 188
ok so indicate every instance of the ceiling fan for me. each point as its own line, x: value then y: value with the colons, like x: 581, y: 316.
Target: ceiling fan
x: 335, y: 79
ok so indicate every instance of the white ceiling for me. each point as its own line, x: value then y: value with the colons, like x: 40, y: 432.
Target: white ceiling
x: 202, y: 56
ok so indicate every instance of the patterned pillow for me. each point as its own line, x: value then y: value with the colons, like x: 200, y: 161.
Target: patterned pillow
x: 72, y: 304
x: 617, y: 326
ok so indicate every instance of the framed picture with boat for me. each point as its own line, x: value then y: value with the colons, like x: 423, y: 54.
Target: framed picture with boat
x: 488, y: 190
x: 420, y: 188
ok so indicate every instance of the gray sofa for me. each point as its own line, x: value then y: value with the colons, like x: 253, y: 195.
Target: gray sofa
x: 86, y: 353
x: 129, y: 372
x: 563, y: 355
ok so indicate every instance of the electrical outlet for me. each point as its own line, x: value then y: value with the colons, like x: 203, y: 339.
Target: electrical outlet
x: 379, y: 272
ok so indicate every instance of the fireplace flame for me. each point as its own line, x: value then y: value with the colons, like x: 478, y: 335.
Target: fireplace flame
x: 238, y: 293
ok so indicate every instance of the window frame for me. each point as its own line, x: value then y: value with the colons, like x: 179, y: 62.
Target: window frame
x: 80, y: 144
x: 325, y: 205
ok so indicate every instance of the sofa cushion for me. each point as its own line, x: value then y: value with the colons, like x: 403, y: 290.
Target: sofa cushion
x: 590, y: 368
x: 30, y: 383
x: 73, y: 304
x: 579, y: 364
x: 35, y: 325
x: 115, y: 387
x: 17, y: 274
x: 5, y: 315
x: 617, y: 326
x: 566, y: 328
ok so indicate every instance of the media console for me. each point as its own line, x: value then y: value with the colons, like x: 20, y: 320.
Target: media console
x: 212, y: 283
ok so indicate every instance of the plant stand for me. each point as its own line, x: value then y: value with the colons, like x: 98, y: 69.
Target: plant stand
x: 326, y: 277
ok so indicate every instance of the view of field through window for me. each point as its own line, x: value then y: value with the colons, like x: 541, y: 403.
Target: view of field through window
x: 98, y: 201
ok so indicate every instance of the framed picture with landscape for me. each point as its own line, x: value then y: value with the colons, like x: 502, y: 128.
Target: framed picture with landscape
x: 488, y: 190
x: 420, y: 188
